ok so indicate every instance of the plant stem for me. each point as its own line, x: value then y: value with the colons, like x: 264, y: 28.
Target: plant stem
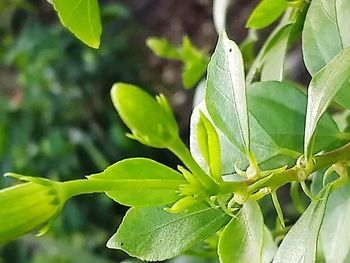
x: 339, y: 155
x: 320, y: 161
x: 90, y: 186
x: 182, y: 152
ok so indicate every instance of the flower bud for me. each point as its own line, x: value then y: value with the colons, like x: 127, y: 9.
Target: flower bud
x: 26, y: 207
x: 150, y: 121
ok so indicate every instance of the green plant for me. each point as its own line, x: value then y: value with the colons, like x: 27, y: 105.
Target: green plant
x: 248, y: 141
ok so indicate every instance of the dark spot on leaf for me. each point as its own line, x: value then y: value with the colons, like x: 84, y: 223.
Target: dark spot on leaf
x: 230, y: 50
x: 122, y: 244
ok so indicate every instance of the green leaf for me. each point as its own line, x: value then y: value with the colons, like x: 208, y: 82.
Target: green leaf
x: 226, y: 98
x: 163, y: 48
x: 152, y: 234
x: 273, y: 62
x: 279, y: 109
x: 242, y: 238
x: 326, y: 32
x: 151, y: 121
x: 276, y: 116
x: 26, y: 207
x: 195, y: 61
x: 146, y: 172
x: 335, y: 234
x: 300, y: 243
x: 209, y: 145
x: 323, y: 88
x: 82, y: 18
x: 269, y: 247
x: 289, y: 27
x: 267, y: 12
x: 229, y: 153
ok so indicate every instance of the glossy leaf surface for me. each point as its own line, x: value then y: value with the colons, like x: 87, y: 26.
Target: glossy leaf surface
x: 335, y: 234
x: 277, y: 113
x: 323, y: 88
x: 152, y: 234
x: 146, y: 172
x: 266, y: 13
x: 326, y: 32
x: 82, y: 18
x: 242, y: 238
x: 153, y: 123
x: 226, y: 99
x: 300, y: 244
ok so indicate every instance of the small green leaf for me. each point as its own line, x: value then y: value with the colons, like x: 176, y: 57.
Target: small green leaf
x: 163, y: 48
x: 209, y: 145
x: 335, y: 234
x: 226, y: 98
x: 195, y: 61
x: 145, y: 171
x: 242, y: 238
x: 152, y: 234
x: 266, y: 13
x: 326, y: 32
x: 278, y: 208
x: 229, y: 154
x: 273, y: 62
x: 151, y: 121
x: 82, y: 18
x: 277, y: 36
x: 300, y: 243
x: 26, y: 207
x: 323, y: 88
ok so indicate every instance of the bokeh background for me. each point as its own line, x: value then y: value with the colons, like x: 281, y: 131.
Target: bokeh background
x: 56, y: 117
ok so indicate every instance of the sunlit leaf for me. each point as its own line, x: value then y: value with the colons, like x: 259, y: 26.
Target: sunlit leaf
x: 152, y: 234
x: 82, y: 18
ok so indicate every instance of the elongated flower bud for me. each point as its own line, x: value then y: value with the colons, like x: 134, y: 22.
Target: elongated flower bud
x: 27, y: 207
x: 150, y: 120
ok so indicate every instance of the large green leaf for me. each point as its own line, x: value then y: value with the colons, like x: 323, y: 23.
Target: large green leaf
x: 335, y: 233
x: 266, y: 13
x: 151, y: 234
x: 242, y: 238
x: 326, y: 32
x: 276, y: 116
x: 323, y: 88
x: 226, y: 98
x: 300, y: 243
x: 82, y: 18
x: 146, y: 173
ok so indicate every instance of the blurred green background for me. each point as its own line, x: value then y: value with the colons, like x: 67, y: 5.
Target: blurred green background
x: 56, y: 117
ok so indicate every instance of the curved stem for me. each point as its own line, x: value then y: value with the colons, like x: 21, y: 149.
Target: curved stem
x: 182, y: 152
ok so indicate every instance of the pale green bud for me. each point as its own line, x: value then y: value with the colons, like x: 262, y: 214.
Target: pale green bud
x: 150, y: 120
x: 26, y: 207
